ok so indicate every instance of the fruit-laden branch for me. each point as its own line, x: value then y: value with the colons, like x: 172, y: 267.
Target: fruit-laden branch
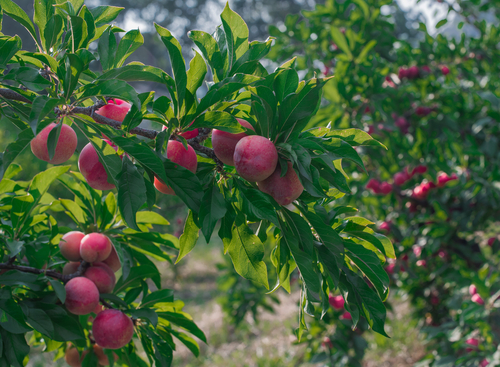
x: 148, y: 133
x: 51, y: 273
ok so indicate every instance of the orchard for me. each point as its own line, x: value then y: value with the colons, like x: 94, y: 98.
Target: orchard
x: 331, y: 161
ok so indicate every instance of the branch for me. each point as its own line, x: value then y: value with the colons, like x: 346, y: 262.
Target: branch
x: 28, y: 269
x: 10, y: 94
x: 148, y: 133
x: 82, y: 268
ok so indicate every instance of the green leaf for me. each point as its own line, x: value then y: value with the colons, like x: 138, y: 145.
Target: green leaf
x: 381, y: 243
x: 107, y: 49
x: 105, y: 14
x: 236, y: 34
x: 189, y: 237
x: 355, y: 137
x: 210, y: 50
x: 8, y: 48
x: 183, y: 320
x: 53, y: 139
x: 369, y: 263
x: 371, y: 305
x: 136, y: 275
x: 189, y: 342
x: 52, y: 34
x: 111, y: 88
x: 247, y: 253
x: 14, y: 345
x: 364, y: 52
x: 146, y: 313
x: 213, y: 208
x: 159, y: 296
x: 59, y: 289
x: 177, y: 62
x: 17, y: 278
x: 15, y: 318
x: 255, y: 204
x: 41, y: 107
x: 441, y: 23
x: 44, y: 10
x: 79, y: 33
x: 131, y: 192
x: 196, y: 73
x: 39, y: 320
x: 185, y: 184
x: 151, y: 218
x: 14, y: 149
x: 340, y: 41
x: 219, y: 120
x: 285, y: 83
x: 138, y: 73
x: 130, y: 42
x: 15, y: 12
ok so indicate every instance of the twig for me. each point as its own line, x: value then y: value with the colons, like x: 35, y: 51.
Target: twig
x: 28, y: 269
x: 82, y: 268
x: 10, y: 94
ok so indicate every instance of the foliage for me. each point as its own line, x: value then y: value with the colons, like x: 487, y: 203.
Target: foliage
x: 77, y: 67
x: 433, y: 101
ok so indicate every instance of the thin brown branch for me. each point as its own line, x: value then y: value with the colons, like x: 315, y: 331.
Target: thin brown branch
x: 10, y: 94
x: 82, y: 268
x: 28, y: 269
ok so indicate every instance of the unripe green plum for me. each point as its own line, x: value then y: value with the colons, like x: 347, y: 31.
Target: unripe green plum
x: 255, y: 158
x: 224, y: 143
x: 66, y: 144
x: 82, y: 296
x: 177, y: 153
x: 70, y: 245
x: 95, y: 247
x: 112, y: 329
x: 283, y: 189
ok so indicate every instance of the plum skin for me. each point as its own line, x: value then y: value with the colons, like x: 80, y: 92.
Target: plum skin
x: 66, y: 144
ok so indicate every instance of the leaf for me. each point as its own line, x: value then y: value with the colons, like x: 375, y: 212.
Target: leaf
x: 53, y: 139
x: 151, y: 218
x: 177, y: 62
x: 44, y: 10
x: 369, y: 263
x: 137, y: 274
x: 39, y: 320
x: 15, y: 319
x: 8, y: 48
x: 285, y: 83
x: 105, y: 14
x: 371, y: 305
x: 111, y: 88
x: 219, y: 120
x: 107, y: 49
x: 189, y: 342
x: 255, y: 204
x: 131, y: 192
x: 14, y: 345
x: 159, y: 296
x: 15, y: 12
x: 41, y: 107
x: 188, y: 238
x: 441, y: 23
x: 385, y: 247
x: 340, y: 41
x: 17, y: 278
x: 183, y: 320
x: 14, y: 149
x: 303, y: 260
x: 364, y: 52
x: 210, y: 50
x: 213, y: 208
x: 146, y: 313
x: 196, y: 73
x: 53, y: 31
x: 59, y: 289
x: 185, y: 184
x: 79, y: 33
x: 247, y: 253
x: 355, y: 137
x: 130, y: 42
x: 236, y: 34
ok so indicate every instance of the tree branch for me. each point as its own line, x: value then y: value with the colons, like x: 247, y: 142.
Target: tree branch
x: 28, y: 269
x: 10, y: 94
x: 195, y: 142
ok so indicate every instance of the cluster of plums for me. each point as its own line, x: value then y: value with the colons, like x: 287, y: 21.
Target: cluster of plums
x: 111, y: 328
x: 254, y: 157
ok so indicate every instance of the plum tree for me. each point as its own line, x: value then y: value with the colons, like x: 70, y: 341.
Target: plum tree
x: 224, y: 143
x: 255, y: 158
x: 112, y: 329
x: 283, y: 189
x: 82, y: 296
x: 92, y: 169
x: 70, y: 245
x: 177, y: 153
x: 95, y: 247
x: 66, y: 144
